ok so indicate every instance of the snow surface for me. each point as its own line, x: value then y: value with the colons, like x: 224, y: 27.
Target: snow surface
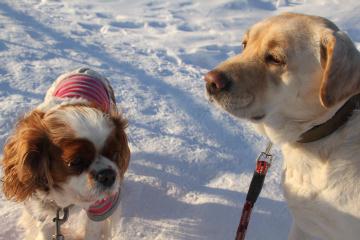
x: 191, y: 163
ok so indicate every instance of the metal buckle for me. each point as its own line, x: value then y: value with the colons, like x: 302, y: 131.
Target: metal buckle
x: 59, y: 221
x: 264, y: 160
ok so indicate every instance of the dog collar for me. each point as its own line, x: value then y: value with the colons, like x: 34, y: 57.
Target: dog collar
x: 80, y: 85
x: 104, y: 208
x: 340, y: 118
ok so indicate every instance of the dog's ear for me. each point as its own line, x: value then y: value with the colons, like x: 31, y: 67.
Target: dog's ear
x: 340, y: 61
x: 25, y: 158
x: 123, y: 153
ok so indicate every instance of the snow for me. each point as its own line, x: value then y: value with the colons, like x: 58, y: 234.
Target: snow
x: 191, y: 163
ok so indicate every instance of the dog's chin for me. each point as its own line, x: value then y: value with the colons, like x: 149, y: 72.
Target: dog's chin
x: 245, y: 111
x: 69, y: 195
x: 99, y: 193
x: 86, y: 202
x: 247, y: 115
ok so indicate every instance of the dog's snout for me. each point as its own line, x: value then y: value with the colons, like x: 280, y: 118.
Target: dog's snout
x: 106, y: 177
x: 216, y: 81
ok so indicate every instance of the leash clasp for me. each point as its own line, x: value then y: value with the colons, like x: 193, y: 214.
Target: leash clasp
x: 264, y: 160
x: 263, y: 163
x: 59, y: 221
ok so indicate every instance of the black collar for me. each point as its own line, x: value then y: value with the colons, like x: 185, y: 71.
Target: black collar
x: 340, y: 118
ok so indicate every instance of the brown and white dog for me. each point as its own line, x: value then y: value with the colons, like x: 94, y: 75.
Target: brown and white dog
x: 298, y: 81
x: 71, y: 151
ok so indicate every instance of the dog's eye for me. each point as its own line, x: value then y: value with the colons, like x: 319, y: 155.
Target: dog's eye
x: 77, y: 164
x: 244, y: 43
x: 272, y: 59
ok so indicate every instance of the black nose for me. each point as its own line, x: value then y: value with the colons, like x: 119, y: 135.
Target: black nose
x: 106, y: 177
x: 216, y: 81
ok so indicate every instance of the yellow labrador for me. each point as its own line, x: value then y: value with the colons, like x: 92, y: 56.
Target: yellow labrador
x: 298, y: 80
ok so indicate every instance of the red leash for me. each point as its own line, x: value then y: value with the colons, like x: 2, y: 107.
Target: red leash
x: 263, y: 164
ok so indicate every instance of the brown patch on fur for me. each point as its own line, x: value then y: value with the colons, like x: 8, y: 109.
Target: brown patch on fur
x: 57, y: 129
x: 116, y: 147
x: 39, y: 154
x: 25, y: 158
x: 74, y: 157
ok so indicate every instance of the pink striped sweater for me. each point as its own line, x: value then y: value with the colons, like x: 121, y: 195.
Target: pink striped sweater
x: 86, y: 87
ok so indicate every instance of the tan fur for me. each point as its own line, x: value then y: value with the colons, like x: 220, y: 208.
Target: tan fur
x: 342, y: 62
x: 300, y: 70
x: 116, y: 146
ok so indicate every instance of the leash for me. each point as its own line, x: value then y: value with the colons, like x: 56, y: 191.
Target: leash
x: 59, y: 221
x: 263, y: 163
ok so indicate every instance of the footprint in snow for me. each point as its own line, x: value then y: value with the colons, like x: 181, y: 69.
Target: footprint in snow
x: 188, y: 28
x: 185, y: 4
x: 156, y: 24
x: 240, y: 5
x: 127, y: 24
x: 102, y: 15
x: 89, y: 27
x: 34, y: 35
x: 3, y: 46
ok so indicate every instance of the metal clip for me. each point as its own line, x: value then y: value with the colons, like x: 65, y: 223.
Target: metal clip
x: 59, y: 221
x: 263, y: 162
x: 266, y: 156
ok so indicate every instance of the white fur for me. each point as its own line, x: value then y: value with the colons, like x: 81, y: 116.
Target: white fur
x: 321, y: 185
x: 89, y: 123
x: 77, y: 227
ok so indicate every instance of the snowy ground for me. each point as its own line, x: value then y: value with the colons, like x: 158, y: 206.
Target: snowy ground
x: 191, y: 163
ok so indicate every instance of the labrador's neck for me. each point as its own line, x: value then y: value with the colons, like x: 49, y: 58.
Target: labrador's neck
x: 286, y: 129
x: 344, y: 138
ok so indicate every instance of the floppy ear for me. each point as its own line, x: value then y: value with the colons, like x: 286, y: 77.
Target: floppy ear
x: 340, y: 61
x: 123, y: 156
x: 25, y: 161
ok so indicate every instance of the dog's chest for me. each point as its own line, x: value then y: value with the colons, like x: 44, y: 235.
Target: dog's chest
x: 303, y: 176
x: 321, y: 194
